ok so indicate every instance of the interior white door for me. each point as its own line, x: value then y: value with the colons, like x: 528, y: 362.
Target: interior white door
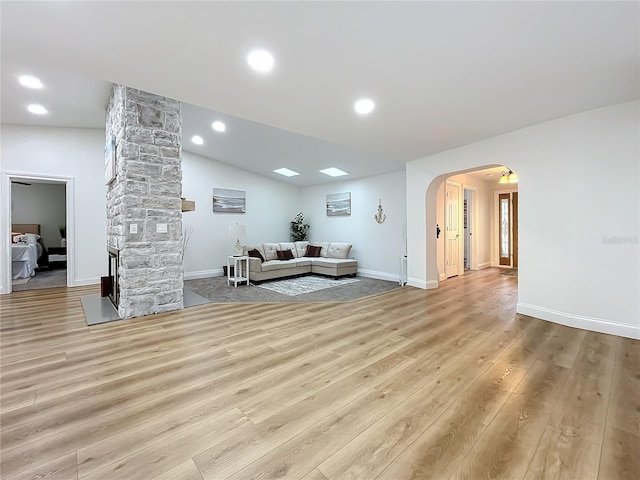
x: 452, y: 229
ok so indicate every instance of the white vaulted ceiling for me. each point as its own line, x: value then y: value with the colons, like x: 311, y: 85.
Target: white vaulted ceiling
x: 442, y: 74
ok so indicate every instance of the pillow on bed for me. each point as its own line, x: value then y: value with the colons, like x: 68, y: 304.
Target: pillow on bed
x: 31, y: 237
x: 14, y: 237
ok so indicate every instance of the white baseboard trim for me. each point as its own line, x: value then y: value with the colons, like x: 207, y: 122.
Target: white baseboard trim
x: 482, y: 266
x: 82, y: 282
x: 418, y: 283
x: 579, y: 321
x: 218, y: 272
x: 430, y: 284
x: 442, y: 278
x: 392, y: 277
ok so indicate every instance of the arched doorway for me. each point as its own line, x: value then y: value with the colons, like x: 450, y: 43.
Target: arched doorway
x: 440, y: 238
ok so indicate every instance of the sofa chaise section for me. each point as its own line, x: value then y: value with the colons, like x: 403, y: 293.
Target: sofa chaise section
x: 332, y: 260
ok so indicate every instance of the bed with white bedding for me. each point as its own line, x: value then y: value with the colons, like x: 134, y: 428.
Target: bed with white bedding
x: 24, y: 260
x: 26, y: 249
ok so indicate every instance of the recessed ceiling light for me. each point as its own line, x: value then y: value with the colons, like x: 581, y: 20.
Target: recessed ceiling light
x: 364, y: 106
x: 197, y: 139
x: 30, y: 81
x: 260, y: 60
x: 333, y: 172
x: 218, y: 126
x: 37, y: 109
x: 286, y: 172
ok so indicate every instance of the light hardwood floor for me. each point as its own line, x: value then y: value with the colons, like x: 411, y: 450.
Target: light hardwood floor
x: 439, y: 384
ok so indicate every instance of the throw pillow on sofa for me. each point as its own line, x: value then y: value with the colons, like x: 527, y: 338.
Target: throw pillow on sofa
x: 255, y: 254
x: 284, y: 254
x: 312, y: 251
x: 289, y: 246
x: 324, y: 246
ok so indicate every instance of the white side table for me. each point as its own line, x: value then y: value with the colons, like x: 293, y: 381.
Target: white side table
x: 403, y: 271
x: 240, y: 271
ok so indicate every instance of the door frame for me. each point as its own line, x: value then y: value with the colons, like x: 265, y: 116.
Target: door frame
x: 5, y: 221
x: 473, y: 224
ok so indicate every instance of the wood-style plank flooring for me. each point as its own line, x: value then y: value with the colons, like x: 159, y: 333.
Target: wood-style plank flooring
x: 440, y: 384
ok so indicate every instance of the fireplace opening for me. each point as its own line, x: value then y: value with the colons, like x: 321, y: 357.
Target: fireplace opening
x: 114, y: 287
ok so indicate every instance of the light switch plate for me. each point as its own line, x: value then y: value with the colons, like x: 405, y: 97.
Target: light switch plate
x: 133, y: 228
x: 161, y: 228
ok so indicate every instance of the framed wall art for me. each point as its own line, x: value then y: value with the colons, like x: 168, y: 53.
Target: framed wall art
x: 229, y: 201
x: 338, y: 204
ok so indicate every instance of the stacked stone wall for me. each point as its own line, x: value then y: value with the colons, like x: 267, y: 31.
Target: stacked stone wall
x: 145, y: 193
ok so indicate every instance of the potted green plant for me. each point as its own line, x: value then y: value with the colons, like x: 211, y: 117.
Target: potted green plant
x: 63, y: 234
x: 299, y: 228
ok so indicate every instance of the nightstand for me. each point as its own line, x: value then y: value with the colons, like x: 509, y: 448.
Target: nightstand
x: 57, y: 257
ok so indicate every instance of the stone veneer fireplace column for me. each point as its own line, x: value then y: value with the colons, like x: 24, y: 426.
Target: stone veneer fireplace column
x: 144, y: 217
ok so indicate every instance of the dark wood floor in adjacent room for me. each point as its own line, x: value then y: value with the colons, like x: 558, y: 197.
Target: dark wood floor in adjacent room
x: 446, y: 383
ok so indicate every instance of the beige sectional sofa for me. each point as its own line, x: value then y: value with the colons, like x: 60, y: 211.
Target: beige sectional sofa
x: 333, y: 260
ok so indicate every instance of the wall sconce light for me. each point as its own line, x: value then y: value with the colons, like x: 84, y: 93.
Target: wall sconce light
x: 508, y: 177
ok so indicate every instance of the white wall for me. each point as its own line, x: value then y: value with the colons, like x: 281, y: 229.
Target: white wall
x: 486, y: 225
x: 68, y: 152
x: 41, y: 203
x: 579, y: 256
x: 79, y: 154
x: 270, y: 207
x: 376, y: 247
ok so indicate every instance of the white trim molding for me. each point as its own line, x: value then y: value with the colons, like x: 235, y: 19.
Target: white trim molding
x: 473, y: 226
x: 392, y: 277
x: 5, y: 234
x: 217, y: 272
x: 431, y: 284
x: 579, y: 321
x: 420, y: 283
x: 5, y: 223
x: 82, y: 282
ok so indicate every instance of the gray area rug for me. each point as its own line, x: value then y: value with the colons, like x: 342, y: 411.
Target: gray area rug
x: 306, y: 284
x: 44, y: 279
x: 217, y: 290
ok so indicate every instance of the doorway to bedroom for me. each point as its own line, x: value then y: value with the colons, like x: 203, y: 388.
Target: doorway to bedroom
x: 38, y: 220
